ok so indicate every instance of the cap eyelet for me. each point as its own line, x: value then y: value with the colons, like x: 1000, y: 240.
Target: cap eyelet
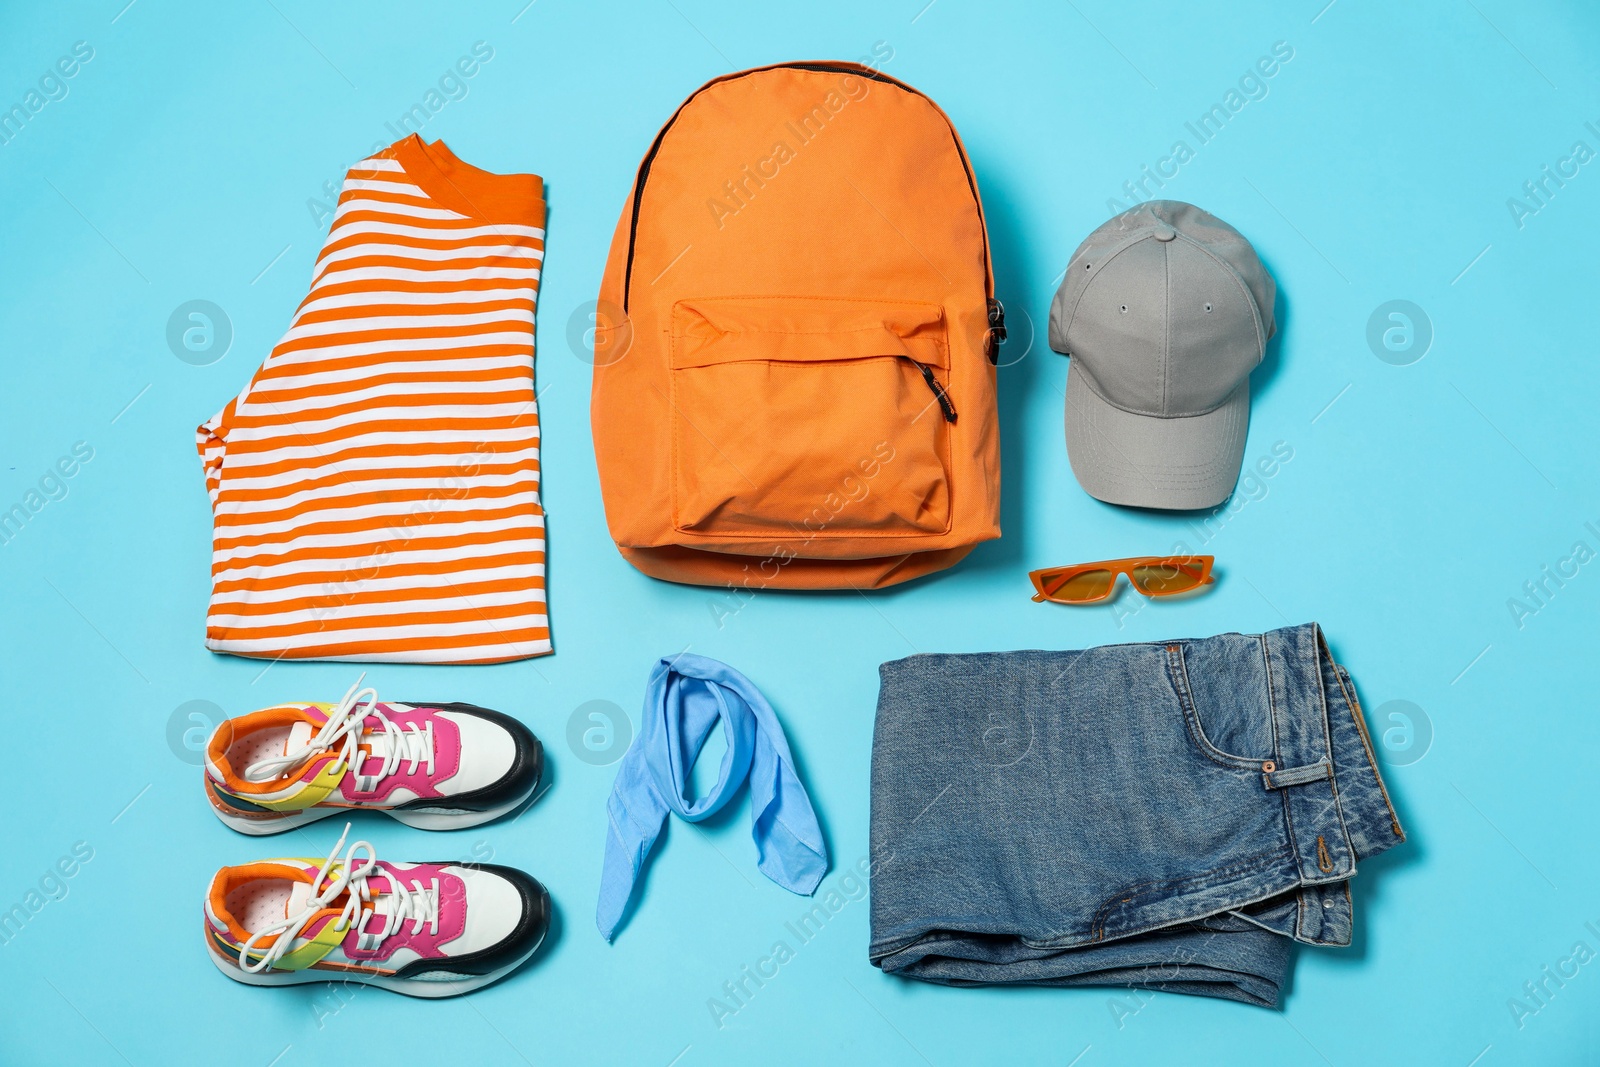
x: 1124, y: 309
x: 1208, y: 309
x: 1086, y: 266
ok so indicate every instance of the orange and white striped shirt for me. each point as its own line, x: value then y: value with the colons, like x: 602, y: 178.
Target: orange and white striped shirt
x: 375, y: 488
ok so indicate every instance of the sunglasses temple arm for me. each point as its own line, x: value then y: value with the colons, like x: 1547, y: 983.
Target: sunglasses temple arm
x: 1047, y: 590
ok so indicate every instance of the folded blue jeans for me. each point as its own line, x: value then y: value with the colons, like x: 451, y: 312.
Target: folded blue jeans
x: 1170, y: 816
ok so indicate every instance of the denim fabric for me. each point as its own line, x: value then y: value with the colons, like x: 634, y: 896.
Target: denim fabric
x: 1166, y: 816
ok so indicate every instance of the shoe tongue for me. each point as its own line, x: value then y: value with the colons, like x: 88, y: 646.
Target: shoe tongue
x: 299, y: 894
x: 299, y: 738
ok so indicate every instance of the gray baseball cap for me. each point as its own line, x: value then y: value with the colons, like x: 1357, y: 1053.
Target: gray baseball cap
x: 1165, y: 311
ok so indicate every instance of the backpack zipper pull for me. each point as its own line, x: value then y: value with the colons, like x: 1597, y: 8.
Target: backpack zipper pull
x: 943, y: 397
x: 997, y: 329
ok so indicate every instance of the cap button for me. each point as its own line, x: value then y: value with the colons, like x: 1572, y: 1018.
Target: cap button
x: 1164, y: 233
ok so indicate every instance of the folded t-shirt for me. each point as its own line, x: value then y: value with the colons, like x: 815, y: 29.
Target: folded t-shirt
x: 375, y: 488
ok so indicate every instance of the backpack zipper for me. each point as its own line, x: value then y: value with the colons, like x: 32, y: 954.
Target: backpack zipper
x: 939, y: 394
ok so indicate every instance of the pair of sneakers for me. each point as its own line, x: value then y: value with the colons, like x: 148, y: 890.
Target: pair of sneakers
x: 424, y: 929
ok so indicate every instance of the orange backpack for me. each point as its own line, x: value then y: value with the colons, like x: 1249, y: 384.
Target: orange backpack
x: 794, y: 380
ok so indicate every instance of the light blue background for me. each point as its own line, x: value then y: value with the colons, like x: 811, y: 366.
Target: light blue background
x: 1418, y: 500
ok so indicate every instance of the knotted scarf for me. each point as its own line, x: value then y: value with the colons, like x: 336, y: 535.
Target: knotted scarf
x: 686, y: 697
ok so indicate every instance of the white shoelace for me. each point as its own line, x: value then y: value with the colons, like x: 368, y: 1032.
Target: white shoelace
x: 411, y: 745
x: 417, y: 904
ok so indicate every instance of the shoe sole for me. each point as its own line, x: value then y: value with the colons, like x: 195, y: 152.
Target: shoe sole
x: 411, y: 987
x: 420, y: 818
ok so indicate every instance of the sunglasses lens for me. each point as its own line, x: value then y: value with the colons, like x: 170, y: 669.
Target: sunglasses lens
x: 1167, y: 576
x: 1084, y: 585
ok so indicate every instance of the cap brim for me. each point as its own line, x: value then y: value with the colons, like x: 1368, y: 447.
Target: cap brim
x: 1176, y: 464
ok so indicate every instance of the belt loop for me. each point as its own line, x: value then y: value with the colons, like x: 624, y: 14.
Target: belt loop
x: 1275, y: 777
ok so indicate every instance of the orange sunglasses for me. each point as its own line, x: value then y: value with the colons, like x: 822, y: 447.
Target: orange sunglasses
x: 1089, y: 583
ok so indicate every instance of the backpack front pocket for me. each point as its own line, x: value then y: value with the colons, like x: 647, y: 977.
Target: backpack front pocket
x: 804, y: 419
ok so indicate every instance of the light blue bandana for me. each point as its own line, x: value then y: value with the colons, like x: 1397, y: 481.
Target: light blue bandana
x: 686, y: 697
